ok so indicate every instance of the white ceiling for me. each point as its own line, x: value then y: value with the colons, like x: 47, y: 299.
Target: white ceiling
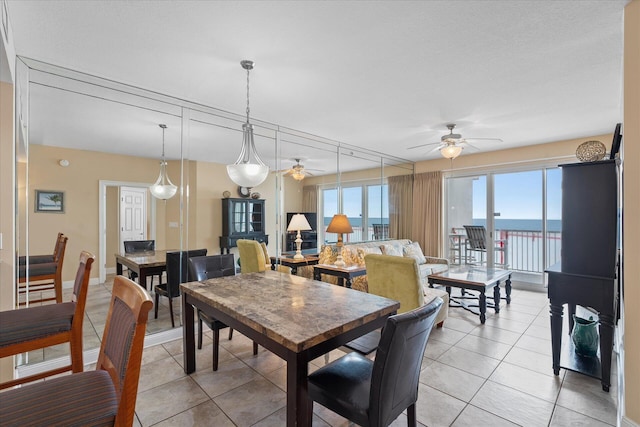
x: 381, y: 75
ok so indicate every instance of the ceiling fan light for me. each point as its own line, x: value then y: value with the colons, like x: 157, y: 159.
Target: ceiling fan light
x: 297, y: 175
x: 451, y: 151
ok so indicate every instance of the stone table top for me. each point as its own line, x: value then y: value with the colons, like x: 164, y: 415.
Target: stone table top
x: 146, y: 258
x: 473, y: 275
x: 291, y: 310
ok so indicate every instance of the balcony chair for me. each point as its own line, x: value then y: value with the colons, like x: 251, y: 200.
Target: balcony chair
x: 105, y: 396
x: 137, y: 246
x: 208, y: 267
x: 46, y: 275
x: 32, y: 328
x: 375, y: 393
x: 380, y: 231
x: 177, y: 272
x: 476, y: 242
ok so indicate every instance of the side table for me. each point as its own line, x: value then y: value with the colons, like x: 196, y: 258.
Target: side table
x: 293, y: 263
x: 344, y: 274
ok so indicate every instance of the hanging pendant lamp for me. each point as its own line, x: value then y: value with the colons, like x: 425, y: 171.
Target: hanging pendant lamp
x: 163, y: 188
x: 249, y: 170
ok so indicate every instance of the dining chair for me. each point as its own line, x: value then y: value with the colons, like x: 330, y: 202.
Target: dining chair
x: 208, y: 267
x: 137, y: 246
x: 375, y: 393
x: 42, y: 277
x: 39, y: 259
x: 177, y: 272
x: 32, y: 328
x: 105, y: 396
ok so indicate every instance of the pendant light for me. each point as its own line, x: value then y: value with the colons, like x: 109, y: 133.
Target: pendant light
x: 249, y: 170
x: 163, y: 188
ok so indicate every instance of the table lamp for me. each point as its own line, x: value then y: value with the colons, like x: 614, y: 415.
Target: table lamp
x: 298, y: 223
x: 339, y: 224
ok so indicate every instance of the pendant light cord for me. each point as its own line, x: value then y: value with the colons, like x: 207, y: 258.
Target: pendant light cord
x: 248, y: 95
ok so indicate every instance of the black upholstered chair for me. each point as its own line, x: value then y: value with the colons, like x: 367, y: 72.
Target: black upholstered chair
x: 137, y: 246
x: 105, y: 396
x: 177, y: 272
x: 374, y: 393
x: 209, y: 267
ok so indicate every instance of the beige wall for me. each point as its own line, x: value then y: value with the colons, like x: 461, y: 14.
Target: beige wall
x: 631, y: 237
x: 80, y: 183
x: 7, y: 159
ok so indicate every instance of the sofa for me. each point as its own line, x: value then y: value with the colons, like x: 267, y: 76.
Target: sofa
x: 354, y: 253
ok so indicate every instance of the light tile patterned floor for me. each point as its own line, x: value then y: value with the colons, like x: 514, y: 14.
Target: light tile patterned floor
x: 497, y: 374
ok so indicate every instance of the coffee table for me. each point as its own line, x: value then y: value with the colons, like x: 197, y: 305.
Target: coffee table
x: 480, y: 279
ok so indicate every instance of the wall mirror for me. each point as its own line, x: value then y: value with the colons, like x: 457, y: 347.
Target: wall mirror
x: 94, y: 139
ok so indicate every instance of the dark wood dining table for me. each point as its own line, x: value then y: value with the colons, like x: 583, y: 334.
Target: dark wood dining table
x: 297, y: 319
x: 145, y: 264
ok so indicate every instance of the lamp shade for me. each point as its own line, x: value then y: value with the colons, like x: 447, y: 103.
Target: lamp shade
x: 339, y: 224
x: 298, y: 223
x: 451, y: 151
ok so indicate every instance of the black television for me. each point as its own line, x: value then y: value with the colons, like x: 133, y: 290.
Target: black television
x: 312, y: 217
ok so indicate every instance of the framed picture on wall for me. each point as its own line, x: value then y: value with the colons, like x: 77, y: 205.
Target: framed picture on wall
x: 49, y: 201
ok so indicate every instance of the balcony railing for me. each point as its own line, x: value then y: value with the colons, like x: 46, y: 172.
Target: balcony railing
x: 522, y: 248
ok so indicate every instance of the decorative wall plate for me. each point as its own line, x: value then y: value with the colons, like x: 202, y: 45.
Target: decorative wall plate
x: 591, y: 151
x: 226, y: 194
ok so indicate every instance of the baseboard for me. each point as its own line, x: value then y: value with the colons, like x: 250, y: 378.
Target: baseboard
x: 91, y: 356
x: 626, y: 422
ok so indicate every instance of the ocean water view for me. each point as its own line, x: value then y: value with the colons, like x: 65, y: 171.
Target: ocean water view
x: 501, y: 223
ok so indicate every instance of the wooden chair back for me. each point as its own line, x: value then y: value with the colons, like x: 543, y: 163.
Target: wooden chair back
x: 39, y: 322
x: 122, y: 343
x: 50, y: 273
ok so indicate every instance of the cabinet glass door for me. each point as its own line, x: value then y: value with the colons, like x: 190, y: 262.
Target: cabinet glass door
x: 239, y: 220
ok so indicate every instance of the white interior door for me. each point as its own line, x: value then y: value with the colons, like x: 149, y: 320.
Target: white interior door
x: 133, y: 214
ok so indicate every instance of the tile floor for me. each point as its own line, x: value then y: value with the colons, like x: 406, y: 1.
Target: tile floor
x: 497, y: 374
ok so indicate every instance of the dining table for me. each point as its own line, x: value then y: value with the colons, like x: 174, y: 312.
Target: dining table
x: 147, y: 263
x: 296, y: 318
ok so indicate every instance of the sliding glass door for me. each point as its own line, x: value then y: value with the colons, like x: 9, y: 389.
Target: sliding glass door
x: 517, y: 213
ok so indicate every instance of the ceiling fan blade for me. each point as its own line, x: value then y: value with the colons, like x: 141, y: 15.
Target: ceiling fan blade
x: 485, y: 139
x: 422, y: 145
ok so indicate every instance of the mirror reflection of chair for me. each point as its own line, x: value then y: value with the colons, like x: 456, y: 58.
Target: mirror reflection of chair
x: 39, y: 259
x: 105, y: 396
x: 33, y: 328
x: 177, y: 272
x: 44, y: 276
x: 138, y: 246
x: 476, y: 243
x: 207, y: 267
x: 375, y: 393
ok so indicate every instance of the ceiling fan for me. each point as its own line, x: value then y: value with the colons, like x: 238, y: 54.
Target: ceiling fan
x: 452, y: 144
x: 297, y: 171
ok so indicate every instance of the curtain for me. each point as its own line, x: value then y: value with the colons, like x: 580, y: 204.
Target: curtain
x: 400, y: 206
x: 310, y: 198
x: 427, y: 212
